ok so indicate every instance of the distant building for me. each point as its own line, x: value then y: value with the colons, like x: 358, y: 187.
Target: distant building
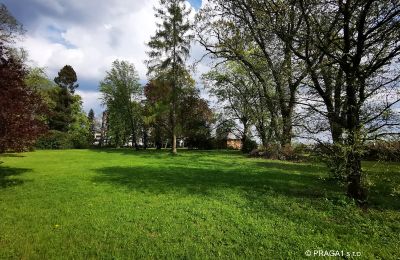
x: 232, y: 142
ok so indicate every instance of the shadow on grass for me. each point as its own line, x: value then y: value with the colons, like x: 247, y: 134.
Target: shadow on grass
x: 7, y: 172
x: 297, y: 168
x: 154, y: 153
x: 205, y: 181
x: 11, y: 155
x: 385, y: 190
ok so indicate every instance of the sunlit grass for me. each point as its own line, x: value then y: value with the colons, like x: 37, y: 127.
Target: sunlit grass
x: 149, y: 204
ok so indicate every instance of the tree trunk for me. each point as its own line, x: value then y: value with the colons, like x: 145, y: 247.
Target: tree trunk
x: 244, y: 134
x: 336, y: 131
x: 174, y: 144
x: 158, y: 141
x: 262, y: 132
x: 355, y: 189
x: 134, y: 143
x: 173, y: 129
x: 145, y: 139
x: 286, y: 137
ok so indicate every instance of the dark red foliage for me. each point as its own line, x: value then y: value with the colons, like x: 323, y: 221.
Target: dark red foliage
x: 157, y: 91
x: 22, y: 110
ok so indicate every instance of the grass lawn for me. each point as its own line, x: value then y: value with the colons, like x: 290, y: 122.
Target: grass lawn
x: 125, y: 204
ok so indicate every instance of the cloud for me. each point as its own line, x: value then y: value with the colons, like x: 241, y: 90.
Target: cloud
x: 91, y: 100
x: 89, y: 44
x: 88, y: 35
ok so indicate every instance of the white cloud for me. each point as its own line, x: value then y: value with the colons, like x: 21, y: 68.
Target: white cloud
x: 91, y: 100
x: 119, y: 34
x: 89, y: 35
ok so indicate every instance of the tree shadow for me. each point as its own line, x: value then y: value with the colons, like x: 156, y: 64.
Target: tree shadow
x: 7, y: 176
x: 205, y: 180
x: 297, y: 168
x: 165, y: 153
x: 385, y: 190
x: 5, y: 155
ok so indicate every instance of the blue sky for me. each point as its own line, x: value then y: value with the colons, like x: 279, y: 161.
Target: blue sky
x: 88, y: 35
x: 195, y: 3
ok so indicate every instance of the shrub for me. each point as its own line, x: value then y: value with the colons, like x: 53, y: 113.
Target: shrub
x: 54, y: 140
x: 288, y: 153
x: 276, y: 152
x: 249, y: 145
x: 78, y: 141
x: 61, y: 140
x: 383, y: 151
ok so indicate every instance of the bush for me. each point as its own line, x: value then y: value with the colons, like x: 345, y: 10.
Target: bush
x: 288, y: 153
x: 61, y: 140
x: 78, y: 141
x: 249, y: 145
x: 54, y: 140
x: 276, y: 152
x: 200, y: 142
x: 383, y: 151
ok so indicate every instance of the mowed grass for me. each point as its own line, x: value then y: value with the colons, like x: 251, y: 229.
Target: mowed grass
x: 122, y: 204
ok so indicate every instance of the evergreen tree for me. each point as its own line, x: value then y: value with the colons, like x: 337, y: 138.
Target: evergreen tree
x: 92, y: 129
x: 62, y: 114
x: 169, y: 50
x: 67, y: 78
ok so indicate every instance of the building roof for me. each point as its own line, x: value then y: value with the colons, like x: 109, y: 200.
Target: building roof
x: 231, y: 136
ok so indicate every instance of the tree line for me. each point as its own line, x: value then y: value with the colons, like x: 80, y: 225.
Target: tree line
x: 304, y: 68
x: 282, y: 71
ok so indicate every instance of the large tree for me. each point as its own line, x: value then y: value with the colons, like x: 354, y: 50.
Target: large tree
x: 157, y: 93
x: 169, y: 50
x: 121, y: 92
x: 248, y: 33
x: 361, y: 40
x: 235, y: 93
x: 22, y: 109
x: 67, y: 78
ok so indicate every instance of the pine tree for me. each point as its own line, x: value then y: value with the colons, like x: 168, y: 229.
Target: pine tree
x: 63, y: 98
x: 67, y: 78
x: 170, y: 48
x: 92, y: 126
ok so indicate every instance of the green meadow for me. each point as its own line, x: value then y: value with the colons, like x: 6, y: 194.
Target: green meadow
x: 123, y: 204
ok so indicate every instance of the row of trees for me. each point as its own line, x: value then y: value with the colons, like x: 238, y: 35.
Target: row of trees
x: 301, y: 68
x: 135, y: 113
x: 33, y: 106
x: 169, y: 106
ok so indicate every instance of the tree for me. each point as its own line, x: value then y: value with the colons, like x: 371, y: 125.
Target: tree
x: 157, y: 93
x: 121, y: 92
x: 92, y: 125
x: 63, y: 97
x: 10, y: 28
x: 195, y: 118
x: 235, y: 93
x: 67, y: 78
x: 38, y: 80
x: 247, y: 32
x: 169, y: 51
x: 61, y: 116
x: 361, y: 39
x: 22, y: 109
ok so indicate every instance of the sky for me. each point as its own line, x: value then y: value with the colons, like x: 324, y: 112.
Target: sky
x: 89, y: 35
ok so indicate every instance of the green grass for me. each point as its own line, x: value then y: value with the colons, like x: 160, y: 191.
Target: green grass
x: 123, y: 204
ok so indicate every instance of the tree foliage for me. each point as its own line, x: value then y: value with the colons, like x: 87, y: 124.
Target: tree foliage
x: 169, y: 50
x: 67, y: 78
x: 22, y: 109
x: 121, y: 93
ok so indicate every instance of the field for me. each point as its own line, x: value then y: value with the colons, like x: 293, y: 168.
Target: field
x: 122, y: 204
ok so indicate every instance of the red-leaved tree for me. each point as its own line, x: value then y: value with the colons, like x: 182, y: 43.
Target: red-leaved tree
x: 22, y: 110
